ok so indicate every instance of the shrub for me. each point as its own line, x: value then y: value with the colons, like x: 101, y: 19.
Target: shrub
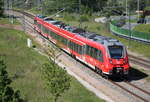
x: 69, y: 17
x: 84, y: 18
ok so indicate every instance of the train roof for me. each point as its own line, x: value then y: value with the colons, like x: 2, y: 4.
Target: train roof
x: 41, y: 16
x: 107, y: 41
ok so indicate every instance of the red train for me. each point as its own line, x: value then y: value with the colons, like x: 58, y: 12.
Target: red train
x: 105, y: 55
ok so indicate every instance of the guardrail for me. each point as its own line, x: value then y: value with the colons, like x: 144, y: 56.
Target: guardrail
x: 140, y: 36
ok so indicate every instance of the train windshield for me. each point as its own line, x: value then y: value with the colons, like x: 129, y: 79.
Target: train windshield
x: 116, y: 51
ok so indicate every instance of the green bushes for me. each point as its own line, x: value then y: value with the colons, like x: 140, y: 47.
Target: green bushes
x: 147, y: 8
x: 7, y: 93
x: 57, y: 80
x: 73, y: 17
x: 84, y: 18
x: 69, y: 17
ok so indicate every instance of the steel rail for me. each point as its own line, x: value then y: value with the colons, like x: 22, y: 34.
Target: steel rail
x: 144, y: 91
x: 139, y: 97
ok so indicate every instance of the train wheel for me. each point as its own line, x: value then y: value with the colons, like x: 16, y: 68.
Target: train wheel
x: 99, y: 71
x: 73, y: 56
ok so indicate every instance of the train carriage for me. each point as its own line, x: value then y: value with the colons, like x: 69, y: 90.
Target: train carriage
x: 106, y: 55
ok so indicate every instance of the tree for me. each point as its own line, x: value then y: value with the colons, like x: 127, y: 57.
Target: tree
x: 57, y: 80
x: 1, y: 7
x: 7, y: 94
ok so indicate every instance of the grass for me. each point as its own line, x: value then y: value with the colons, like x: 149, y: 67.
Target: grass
x: 143, y: 28
x: 23, y: 65
x: 6, y: 21
x: 35, y: 11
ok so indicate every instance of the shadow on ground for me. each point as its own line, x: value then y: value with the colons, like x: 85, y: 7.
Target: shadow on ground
x: 136, y: 74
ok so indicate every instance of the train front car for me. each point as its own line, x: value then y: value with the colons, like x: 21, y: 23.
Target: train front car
x: 117, y: 63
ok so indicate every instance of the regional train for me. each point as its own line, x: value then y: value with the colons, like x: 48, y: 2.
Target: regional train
x: 107, y: 56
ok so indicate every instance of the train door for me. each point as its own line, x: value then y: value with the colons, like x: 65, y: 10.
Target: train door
x: 83, y: 52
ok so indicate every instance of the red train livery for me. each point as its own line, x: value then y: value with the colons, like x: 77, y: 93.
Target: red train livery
x: 105, y: 55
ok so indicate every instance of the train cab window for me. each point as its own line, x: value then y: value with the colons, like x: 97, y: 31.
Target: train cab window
x: 115, y: 51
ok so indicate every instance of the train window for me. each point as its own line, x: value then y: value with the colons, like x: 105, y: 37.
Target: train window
x: 94, y: 52
x: 43, y: 29
x: 77, y: 48
x: 65, y: 41
x: 115, y: 51
x: 100, y: 56
x: 49, y: 32
x: 35, y: 21
x: 39, y: 25
x: 53, y: 35
x: 69, y: 45
x: 87, y: 50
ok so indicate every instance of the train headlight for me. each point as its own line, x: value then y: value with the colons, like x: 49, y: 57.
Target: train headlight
x: 124, y: 61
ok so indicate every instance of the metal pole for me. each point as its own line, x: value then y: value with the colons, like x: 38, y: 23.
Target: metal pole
x: 23, y: 22
x: 130, y: 33
x: 79, y: 13
x: 138, y: 8
x: 126, y: 8
x: 79, y: 6
x: 12, y: 16
x: 10, y: 11
x: 42, y: 6
x: 5, y: 6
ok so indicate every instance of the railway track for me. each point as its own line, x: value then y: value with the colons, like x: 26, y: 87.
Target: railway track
x: 134, y: 90
x: 25, y: 13
x: 139, y: 61
x: 123, y: 85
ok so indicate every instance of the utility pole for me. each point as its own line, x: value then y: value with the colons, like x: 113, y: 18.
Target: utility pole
x: 79, y: 6
x: 138, y: 8
x: 5, y: 5
x: 130, y: 33
x: 79, y: 13
x: 126, y: 8
x: 10, y: 11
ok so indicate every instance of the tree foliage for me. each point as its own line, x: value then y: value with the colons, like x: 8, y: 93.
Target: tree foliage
x: 57, y: 80
x: 83, y: 6
x: 1, y: 7
x: 7, y: 94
